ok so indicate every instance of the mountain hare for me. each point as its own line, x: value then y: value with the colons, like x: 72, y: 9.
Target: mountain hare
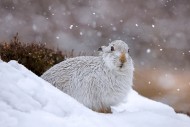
x: 98, y: 82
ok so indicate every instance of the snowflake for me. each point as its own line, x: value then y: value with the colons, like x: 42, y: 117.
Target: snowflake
x: 81, y: 33
x: 148, y: 50
x: 71, y: 27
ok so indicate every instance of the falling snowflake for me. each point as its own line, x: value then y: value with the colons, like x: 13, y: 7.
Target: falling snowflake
x: 148, y: 50
x: 81, y: 33
x: 114, y: 28
x: 49, y: 8
x: 34, y: 27
x: 71, y: 27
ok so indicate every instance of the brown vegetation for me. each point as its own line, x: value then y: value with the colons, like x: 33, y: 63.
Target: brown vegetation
x: 36, y: 57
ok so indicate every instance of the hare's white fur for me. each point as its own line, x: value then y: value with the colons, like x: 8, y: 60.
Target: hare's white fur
x: 96, y: 81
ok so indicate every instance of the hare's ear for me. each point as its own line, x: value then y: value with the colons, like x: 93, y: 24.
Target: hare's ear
x: 100, y: 49
x: 112, y: 48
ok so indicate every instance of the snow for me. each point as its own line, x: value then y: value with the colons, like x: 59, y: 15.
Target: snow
x: 57, y: 37
x: 26, y: 100
x: 148, y: 50
x: 71, y: 27
x: 81, y: 33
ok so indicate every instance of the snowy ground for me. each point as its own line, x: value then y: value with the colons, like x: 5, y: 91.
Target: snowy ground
x: 28, y: 101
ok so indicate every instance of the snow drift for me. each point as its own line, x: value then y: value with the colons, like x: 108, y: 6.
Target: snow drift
x: 26, y: 100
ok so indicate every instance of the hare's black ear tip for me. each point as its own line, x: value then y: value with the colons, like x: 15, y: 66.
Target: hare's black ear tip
x: 100, y: 49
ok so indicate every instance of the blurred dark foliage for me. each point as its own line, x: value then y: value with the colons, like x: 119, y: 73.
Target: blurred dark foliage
x: 36, y: 57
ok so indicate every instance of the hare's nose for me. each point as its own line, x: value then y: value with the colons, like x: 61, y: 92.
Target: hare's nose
x: 122, y: 57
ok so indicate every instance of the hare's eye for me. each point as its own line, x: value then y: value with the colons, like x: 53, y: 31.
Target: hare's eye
x: 128, y: 50
x: 112, y: 48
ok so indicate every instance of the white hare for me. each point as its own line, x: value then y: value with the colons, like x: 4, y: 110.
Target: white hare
x: 98, y: 82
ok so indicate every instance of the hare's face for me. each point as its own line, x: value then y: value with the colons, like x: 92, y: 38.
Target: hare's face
x: 116, y: 55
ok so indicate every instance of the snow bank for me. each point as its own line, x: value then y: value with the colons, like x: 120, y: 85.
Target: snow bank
x: 26, y: 100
